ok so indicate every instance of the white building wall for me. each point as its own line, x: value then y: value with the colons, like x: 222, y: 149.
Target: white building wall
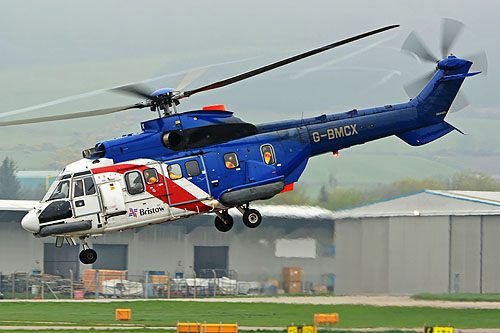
x: 418, y: 255
x: 362, y: 261
x: 466, y: 254
x: 491, y: 254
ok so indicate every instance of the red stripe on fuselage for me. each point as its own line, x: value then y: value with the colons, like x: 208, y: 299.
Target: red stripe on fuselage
x: 176, y: 191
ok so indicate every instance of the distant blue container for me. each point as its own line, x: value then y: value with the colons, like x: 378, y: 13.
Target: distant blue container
x: 156, y: 272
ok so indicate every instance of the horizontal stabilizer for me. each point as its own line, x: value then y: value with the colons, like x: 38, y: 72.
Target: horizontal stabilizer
x: 424, y: 135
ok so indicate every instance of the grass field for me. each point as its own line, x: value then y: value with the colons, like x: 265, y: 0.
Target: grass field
x: 167, y: 313
x: 460, y: 297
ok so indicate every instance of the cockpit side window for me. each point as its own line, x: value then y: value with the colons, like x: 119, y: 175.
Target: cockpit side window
x: 77, y: 188
x: 134, y: 182
x: 61, y: 191
x: 89, y: 185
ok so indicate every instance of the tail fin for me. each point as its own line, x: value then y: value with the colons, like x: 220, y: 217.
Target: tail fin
x: 435, y: 99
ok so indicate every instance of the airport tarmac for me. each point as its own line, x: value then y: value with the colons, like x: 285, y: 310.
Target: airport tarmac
x: 326, y: 300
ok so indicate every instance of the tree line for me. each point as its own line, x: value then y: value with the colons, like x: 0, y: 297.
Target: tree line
x: 10, y: 188
x: 335, y: 197
x: 330, y: 196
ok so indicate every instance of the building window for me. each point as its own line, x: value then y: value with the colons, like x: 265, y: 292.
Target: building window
x: 174, y: 171
x: 268, y: 154
x: 150, y: 176
x: 134, y: 182
x: 231, y: 160
x: 192, y: 168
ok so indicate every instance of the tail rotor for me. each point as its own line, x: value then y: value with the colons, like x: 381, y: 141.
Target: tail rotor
x: 450, y: 31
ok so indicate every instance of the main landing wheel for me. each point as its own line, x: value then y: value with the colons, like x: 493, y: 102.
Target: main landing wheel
x: 252, y: 218
x: 88, y: 256
x: 224, y: 222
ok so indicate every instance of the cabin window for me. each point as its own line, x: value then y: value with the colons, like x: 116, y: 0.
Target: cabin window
x: 174, y: 171
x: 134, y: 182
x: 231, y: 160
x: 192, y: 168
x: 78, y: 188
x: 89, y: 185
x: 61, y: 191
x: 151, y: 176
x: 268, y: 154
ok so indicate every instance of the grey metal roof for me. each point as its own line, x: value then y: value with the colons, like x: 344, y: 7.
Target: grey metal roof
x: 429, y: 203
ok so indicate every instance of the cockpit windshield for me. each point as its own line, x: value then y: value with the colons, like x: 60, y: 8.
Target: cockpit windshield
x: 61, y: 191
x: 59, y: 188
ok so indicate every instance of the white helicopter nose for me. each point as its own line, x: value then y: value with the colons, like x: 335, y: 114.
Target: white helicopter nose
x: 30, y: 222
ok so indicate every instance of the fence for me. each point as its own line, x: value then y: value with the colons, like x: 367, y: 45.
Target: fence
x: 119, y: 284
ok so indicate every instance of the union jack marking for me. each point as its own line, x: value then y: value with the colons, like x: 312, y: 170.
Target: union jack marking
x: 132, y: 212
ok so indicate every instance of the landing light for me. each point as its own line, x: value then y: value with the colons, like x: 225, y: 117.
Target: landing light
x: 336, y: 154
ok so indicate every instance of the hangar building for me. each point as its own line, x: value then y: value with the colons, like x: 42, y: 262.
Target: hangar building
x: 430, y: 241
x: 289, y: 236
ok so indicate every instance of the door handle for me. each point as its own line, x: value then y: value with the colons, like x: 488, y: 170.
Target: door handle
x: 79, y: 203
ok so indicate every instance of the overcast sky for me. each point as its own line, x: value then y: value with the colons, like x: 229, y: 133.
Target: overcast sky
x: 57, y: 48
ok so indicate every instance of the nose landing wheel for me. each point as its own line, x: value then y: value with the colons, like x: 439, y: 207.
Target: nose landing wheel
x: 87, y: 255
x: 223, y: 221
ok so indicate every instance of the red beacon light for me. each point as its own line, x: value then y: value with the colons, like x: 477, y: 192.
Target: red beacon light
x: 336, y: 154
x: 220, y: 107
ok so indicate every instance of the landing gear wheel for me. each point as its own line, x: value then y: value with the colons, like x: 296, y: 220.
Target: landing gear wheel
x: 252, y: 218
x: 88, y: 256
x: 225, y: 223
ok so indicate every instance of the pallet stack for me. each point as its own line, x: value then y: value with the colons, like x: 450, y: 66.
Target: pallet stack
x: 292, y: 280
x: 104, y: 275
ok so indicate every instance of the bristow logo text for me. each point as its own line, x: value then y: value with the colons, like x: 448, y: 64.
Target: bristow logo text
x: 145, y: 211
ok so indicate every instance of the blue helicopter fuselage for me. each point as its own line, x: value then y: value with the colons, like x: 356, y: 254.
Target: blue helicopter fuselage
x: 213, y: 134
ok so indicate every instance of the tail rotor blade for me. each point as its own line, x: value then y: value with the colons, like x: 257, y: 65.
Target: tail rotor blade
x: 480, y: 62
x: 414, y: 45
x: 450, y: 30
x: 414, y: 88
x: 460, y: 102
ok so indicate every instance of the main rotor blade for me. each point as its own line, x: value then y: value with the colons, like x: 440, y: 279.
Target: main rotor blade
x: 189, y: 77
x: 134, y: 89
x: 450, y: 29
x: 283, y: 62
x: 414, y: 45
x: 414, y: 88
x: 74, y: 115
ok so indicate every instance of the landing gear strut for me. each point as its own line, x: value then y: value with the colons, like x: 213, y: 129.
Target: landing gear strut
x: 223, y: 221
x: 87, y: 255
x: 251, y: 217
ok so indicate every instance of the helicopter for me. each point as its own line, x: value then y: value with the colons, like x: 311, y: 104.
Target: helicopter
x: 184, y: 164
